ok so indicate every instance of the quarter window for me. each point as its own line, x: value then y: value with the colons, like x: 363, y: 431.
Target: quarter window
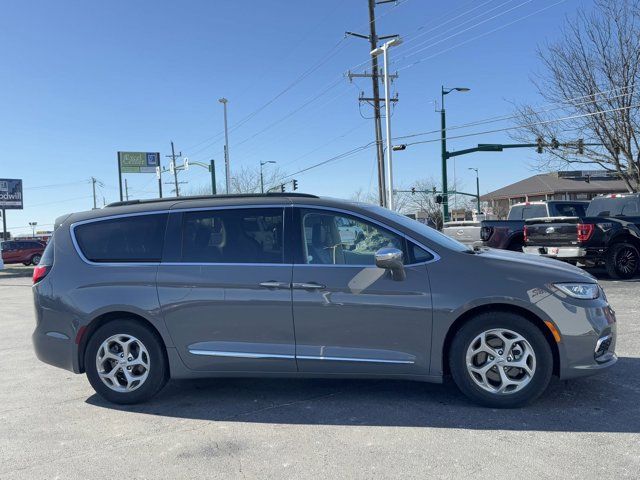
x: 135, y: 238
x: 337, y: 239
x: 233, y: 236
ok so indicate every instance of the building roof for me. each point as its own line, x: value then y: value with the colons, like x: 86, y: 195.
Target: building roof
x: 560, y: 182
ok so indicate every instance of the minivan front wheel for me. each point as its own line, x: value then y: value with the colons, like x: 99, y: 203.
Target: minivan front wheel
x: 125, y: 362
x: 501, y: 360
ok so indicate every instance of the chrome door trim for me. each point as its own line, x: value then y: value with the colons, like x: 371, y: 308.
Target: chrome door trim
x: 435, y: 258
x: 218, y: 353
x: 347, y: 359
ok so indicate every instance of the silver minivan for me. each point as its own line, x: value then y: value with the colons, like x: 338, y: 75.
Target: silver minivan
x: 275, y: 285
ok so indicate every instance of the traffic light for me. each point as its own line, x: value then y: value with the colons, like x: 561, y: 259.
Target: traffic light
x: 295, y: 184
x: 434, y: 190
x: 540, y: 144
x: 555, y: 143
x: 580, y: 146
x: 282, y: 188
x: 439, y: 199
x: 413, y: 190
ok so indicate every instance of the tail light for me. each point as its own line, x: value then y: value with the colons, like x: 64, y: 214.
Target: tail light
x: 485, y: 233
x: 39, y: 272
x: 526, y: 234
x: 585, y: 230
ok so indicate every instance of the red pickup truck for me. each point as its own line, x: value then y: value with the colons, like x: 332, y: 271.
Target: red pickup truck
x: 27, y: 252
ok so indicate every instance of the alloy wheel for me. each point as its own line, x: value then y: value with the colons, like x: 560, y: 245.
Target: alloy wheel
x: 501, y: 361
x: 627, y: 261
x: 122, y: 362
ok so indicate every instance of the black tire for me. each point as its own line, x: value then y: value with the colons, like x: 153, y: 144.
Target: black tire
x: 513, y: 322
x: 516, y: 246
x: 26, y: 264
x: 35, y: 259
x: 158, y: 368
x: 623, y: 261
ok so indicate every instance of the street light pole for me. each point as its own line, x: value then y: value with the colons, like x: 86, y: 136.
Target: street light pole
x: 477, y: 187
x: 262, y: 164
x: 387, y: 108
x: 227, y: 170
x: 443, y: 141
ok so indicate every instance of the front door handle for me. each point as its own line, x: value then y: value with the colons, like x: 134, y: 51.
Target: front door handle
x: 274, y: 284
x: 308, y: 286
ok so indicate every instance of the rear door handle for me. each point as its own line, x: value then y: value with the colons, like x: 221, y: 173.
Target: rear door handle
x: 308, y: 286
x: 274, y: 284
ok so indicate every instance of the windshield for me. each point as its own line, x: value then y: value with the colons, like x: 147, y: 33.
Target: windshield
x: 611, y: 207
x: 430, y: 233
x: 524, y: 212
x: 567, y: 209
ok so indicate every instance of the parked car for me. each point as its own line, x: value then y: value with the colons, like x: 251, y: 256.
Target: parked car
x: 27, y: 252
x: 141, y: 291
x: 509, y: 234
x: 467, y: 232
x: 608, y: 234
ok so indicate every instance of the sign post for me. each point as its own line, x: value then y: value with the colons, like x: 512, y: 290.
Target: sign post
x: 138, y: 162
x: 10, y: 199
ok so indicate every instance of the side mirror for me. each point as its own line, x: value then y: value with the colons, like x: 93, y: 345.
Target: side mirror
x: 391, y: 259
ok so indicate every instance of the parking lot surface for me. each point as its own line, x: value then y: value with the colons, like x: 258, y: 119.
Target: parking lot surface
x: 52, y: 425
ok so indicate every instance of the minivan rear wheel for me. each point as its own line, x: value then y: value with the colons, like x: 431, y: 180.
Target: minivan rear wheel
x: 125, y: 362
x: 501, y: 360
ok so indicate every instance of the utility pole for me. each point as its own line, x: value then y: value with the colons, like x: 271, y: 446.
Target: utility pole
x: 4, y: 224
x: 173, y: 166
x: 375, y: 100
x: 93, y: 181
x: 227, y: 169
x: 126, y: 190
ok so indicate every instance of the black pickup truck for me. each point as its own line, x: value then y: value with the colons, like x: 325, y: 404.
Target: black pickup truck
x: 608, y: 234
x: 509, y: 234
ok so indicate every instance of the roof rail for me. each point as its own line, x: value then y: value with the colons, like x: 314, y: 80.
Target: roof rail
x: 210, y: 197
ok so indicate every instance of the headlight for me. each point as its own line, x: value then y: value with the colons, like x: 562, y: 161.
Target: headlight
x: 583, y: 291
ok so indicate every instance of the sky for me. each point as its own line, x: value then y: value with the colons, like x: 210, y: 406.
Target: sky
x: 81, y: 81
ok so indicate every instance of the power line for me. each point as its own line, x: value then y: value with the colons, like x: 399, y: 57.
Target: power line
x: 531, y: 124
x: 482, y: 35
x: 459, y: 32
x: 502, y: 118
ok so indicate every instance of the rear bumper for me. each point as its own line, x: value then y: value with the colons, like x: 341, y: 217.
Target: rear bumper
x: 56, y: 349
x: 557, y: 252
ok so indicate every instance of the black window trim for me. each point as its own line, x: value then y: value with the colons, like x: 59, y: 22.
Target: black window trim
x: 291, y: 216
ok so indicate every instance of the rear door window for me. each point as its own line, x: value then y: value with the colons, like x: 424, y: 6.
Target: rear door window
x: 136, y: 238
x: 233, y: 236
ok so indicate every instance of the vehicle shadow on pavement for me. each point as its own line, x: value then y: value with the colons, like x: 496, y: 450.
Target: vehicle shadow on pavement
x: 604, y: 403
x: 16, y: 272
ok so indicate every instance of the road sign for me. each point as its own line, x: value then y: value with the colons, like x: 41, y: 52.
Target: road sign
x: 10, y: 194
x: 138, y: 162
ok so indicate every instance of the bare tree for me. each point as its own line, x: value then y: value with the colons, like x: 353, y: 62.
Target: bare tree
x: 593, y: 74
x: 244, y: 180
x: 423, y: 201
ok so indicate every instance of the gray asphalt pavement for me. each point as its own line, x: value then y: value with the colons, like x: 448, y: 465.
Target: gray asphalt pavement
x: 52, y: 425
